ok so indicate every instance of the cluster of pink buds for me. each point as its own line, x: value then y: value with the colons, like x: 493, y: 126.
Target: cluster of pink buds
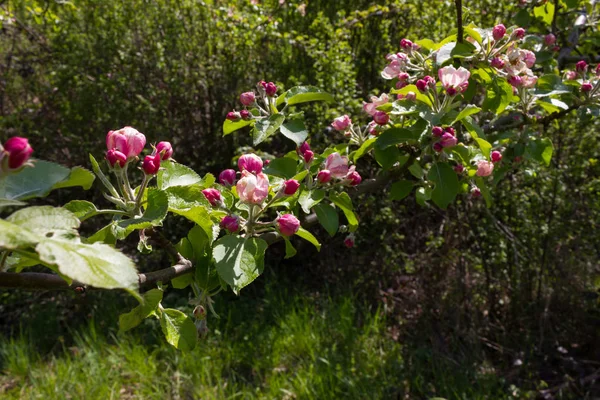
x: 446, y: 138
x: 306, y: 153
x: 590, y: 83
x: 253, y: 186
x: 336, y: 166
x: 512, y: 62
x: 14, y: 155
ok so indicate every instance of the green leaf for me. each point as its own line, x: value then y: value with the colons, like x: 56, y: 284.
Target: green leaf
x: 78, y: 177
x: 183, y: 281
x: 552, y: 105
x: 422, y: 195
x: 306, y: 235
x: 290, y: 251
x: 284, y: 167
x: 11, y: 203
x: 446, y: 184
x: 328, y: 218
x: 82, y: 209
x: 454, y: 50
x: 416, y: 170
x: 465, y: 112
x: 545, y: 12
x: 343, y: 201
x: 412, y: 88
x: 548, y: 85
x: 394, y: 136
x: 97, y: 265
x: 104, y: 235
x: 232, y: 126
x: 485, y: 191
x: 498, y: 96
x: 156, y: 210
x: 47, y: 221
x: 239, y: 261
x: 175, y: 174
x: 105, y: 181
x: 540, y: 150
x: 266, y: 127
x: 387, y: 157
x: 474, y: 130
x: 363, y: 149
x: 135, y: 317
x: 14, y: 237
x: 303, y: 94
x: 185, y: 198
x: 485, y: 147
x: 401, y: 189
x: 474, y: 33
x: 179, y: 329
x: 295, y: 131
x: 30, y: 182
x: 309, y: 198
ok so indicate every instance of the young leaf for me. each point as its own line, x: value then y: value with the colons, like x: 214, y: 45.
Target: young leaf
x: 156, y: 210
x: 284, y: 167
x: 401, y: 189
x: 135, y: 317
x: 328, y: 218
x: 175, y: 174
x: 363, y: 149
x: 239, y: 261
x: 78, y: 177
x: 290, y: 251
x: 446, y: 184
x: 540, y: 150
x: 232, y: 126
x: 343, y: 201
x: 306, y: 235
x: 303, y: 94
x: 266, y: 127
x: 465, y: 112
x: 295, y: 131
x: 179, y: 329
x: 394, y: 136
x: 82, y: 209
x: 309, y: 198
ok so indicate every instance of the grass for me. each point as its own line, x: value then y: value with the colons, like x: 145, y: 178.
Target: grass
x: 283, y: 346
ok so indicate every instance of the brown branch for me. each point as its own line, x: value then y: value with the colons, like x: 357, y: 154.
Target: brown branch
x: 459, y: 21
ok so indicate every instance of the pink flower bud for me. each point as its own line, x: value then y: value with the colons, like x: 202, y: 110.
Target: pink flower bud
x: 450, y: 130
x: 252, y: 188
x: 437, y: 131
x: 430, y: 81
x: 337, y: 165
x: 324, y: 176
x: 406, y: 44
x: 381, y: 118
x: 549, y: 39
x: 421, y: 85
x: 498, y: 32
x: 515, y: 81
x: 231, y: 223
x: 497, y: 63
x: 485, y: 168
x: 437, y: 147
x: 353, y: 178
x: 151, y: 164
x: 115, y: 156
x: 266, y: 162
x: 288, y: 224
x: 245, y: 115
x: 476, y: 193
x: 290, y: 187
x: 412, y: 96
x: 303, y: 148
x: 448, y: 140
x: 401, y: 84
x: 270, y: 88
x: 127, y: 140
x: 586, y: 87
x: 247, y: 98
x: 308, y: 156
x: 496, y: 156
x: 213, y: 196
x: 251, y: 163
x: 519, y: 33
x: 403, y: 76
x: 227, y: 177
x: 18, y: 151
x: 349, y: 241
x: 451, y: 91
x: 342, y: 123
x: 165, y: 149
x: 581, y: 66
x: 459, y: 168
x: 571, y: 75
x: 233, y: 116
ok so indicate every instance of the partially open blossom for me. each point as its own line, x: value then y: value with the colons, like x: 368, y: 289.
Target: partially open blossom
x: 437, y: 131
x: 245, y: 115
x: 231, y: 223
x: 459, y: 168
x: 448, y: 140
x: 337, y: 165
x: 324, y: 176
x: 485, y: 168
x: 213, y: 196
x: 586, y: 87
x: 497, y: 63
x: 349, y: 241
x: 251, y: 163
x: 308, y: 156
x: 519, y: 33
x: 353, y: 178
x: 570, y: 75
x: 412, y: 96
x: 498, y: 32
x: 227, y: 177
x: 528, y: 57
x: 290, y: 187
x: 17, y: 150
x: 581, y: 66
x: 437, y: 147
x: 253, y: 188
x: 270, y: 88
x: 342, y: 123
x: 528, y: 81
x: 151, y: 164
x: 247, y: 98
x: 381, y: 118
x: 288, y: 224
x: 515, y: 81
x: 233, y: 116
x: 397, y: 65
x: 115, y: 156
x: 496, y: 156
x: 165, y: 149
x: 127, y: 140
x: 549, y: 39
x: 452, y: 78
x: 406, y: 44
x: 371, y: 108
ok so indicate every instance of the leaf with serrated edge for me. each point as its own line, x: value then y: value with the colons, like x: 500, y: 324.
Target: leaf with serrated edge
x: 179, y: 329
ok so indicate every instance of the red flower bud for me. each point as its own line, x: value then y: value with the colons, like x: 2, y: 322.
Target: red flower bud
x: 412, y: 96
x: 437, y: 131
x: 349, y: 241
x: 308, y: 156
x: 233, y: 116
x: 448, y: 140
x: 303, y: 148
x: 213, y: 196
x: 437, y: 146
x: 353, y: 178
x: 247, y: 98
x: 227, y: 177
x: 581, y: 66
x: 324, y: 176
x: 421, y: 85
x: 406, y: 44
x: 381, y: 117
x: 151, y: 164
x: 475, y: 192
x: 403, y: 76
x: 230, y: 223
x: 245, y: 114
x: 515, y: 81
x: 18, y: 150
x: 115, y: 156
x: 270, y: 88
x: 251, y: 163
x: 451, y: 91
x: 288, y: 224
x: 519, y: 33
x: 497, y: 63
x: 549, y: 39
x: 450, y: 130
x: 165, y: 149
x: 290, y: 187
x: 498, y: 32
x: 496, y: 156
x: 459, y: 168
x: 586, y: 87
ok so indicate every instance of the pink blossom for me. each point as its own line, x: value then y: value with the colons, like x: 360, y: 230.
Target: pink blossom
x: 528, y: 57
x: 251, y: 163
x: 454, y: 78
x: 381, y: 118
x: 528, y: 81
x: 288, y: 224
x: 231, y: 223
x: 227, y: 177
x: 165, y: 149
x: 247, y: 98
x: 397, y: 64
x: 127, y: 140
x: 353, y: 178
x: 515, y: 81
x: 519, y: 33
x: 341, y: 123
x: 411, y: 96
x: 496, y: 156
x: 371, y: 108
x: 18, y: 151
x: 337, y: 165
x: 549, y: 39
x: 571, y: 75
x: 213, y: 196
x: 252, y: 188
x: 151, y: 164
x: 484, y: 168
x: 115, y: 156
x: 448, y: 140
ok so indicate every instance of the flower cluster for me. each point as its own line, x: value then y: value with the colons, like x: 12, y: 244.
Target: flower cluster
x: 267, y: 92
